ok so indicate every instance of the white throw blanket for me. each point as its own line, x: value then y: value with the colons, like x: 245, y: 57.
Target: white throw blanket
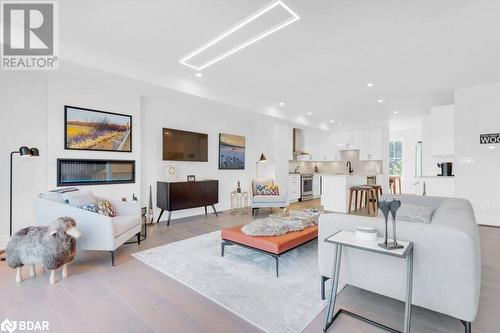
x: 277, y: 225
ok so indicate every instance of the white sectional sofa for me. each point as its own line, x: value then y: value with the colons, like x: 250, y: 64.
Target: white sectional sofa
x: 447, y: 257
x: 99, y: 232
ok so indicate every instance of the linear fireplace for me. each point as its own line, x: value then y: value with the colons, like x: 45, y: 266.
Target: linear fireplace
x: 94, y: 172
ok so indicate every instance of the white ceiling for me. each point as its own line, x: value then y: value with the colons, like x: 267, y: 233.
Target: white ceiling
x: 415, y: 52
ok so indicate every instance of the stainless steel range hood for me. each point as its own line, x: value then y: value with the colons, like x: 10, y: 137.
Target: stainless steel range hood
x: 298, y: 145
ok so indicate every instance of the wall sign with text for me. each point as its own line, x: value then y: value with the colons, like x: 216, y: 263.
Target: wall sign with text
x: 487, y: 139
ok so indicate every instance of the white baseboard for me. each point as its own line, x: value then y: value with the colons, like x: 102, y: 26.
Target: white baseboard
x: 484, y: 219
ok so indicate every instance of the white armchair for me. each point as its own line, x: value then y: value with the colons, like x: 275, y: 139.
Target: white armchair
x: 266, y: 201
x: 99, y: 232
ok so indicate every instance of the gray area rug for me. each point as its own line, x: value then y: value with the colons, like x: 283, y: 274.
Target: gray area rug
x: 244, y: 281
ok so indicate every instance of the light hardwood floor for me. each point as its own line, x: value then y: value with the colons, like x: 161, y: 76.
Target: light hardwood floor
x: 132, y: 297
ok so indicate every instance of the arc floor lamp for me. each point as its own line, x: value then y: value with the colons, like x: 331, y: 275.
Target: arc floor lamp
x: 262, y: 159
x: 23, y: 152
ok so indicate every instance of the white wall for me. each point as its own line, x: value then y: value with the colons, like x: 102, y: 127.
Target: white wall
x: 477, y: 171
x: 23, y: 121
x: 32, y: 114
x: 282, y: 147
x: 185, y: 112
x: 430, y: 161
x: 69, y: 90
x: 264, y: 137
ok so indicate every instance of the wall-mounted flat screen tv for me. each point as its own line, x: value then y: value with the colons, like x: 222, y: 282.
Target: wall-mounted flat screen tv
x: 184, y: 146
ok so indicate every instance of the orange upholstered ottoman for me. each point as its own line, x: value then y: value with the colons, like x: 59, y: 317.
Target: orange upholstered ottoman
x: 270, y: 245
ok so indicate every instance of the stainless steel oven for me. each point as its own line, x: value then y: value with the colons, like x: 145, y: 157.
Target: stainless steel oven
x: 306, y: 187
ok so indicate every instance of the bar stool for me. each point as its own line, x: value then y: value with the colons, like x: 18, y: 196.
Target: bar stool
x: 395, y: 184
x: 366, y: 192
x: 378, y: 190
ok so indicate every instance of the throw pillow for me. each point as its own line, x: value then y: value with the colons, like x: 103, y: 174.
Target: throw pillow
x: 90, y: 208
x: 274, y: 189
x: 414, y: 213
x: 267, y: 189
x: 104, y: 207
x: 260, y: 181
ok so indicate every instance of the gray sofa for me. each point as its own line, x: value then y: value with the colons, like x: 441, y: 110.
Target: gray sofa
x: 447, y: 257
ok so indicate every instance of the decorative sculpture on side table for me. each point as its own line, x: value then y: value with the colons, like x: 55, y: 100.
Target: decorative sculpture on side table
x: 151, y: 217
x: 392, y: 207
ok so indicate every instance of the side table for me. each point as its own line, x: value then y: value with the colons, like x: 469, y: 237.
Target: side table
x: 345, y: 238
x: 144, y: 231
x: 239, y: 202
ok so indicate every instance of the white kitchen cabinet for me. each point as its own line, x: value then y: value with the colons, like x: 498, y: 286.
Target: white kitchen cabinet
x: 316, y: 186
x: 349, y: 139
x: 371, y: 144
x: 290, y: 144
x: 312, y: 144
x: 330, y: 148
x: 355, y: 139
x: 293, y: 187
x: 443, y: 130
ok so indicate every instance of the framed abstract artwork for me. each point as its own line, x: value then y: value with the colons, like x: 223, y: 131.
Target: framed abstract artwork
x: 231, y: 152
x: 86, y: 129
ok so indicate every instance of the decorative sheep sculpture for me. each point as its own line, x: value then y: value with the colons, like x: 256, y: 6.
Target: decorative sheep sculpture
x: 52, y: 246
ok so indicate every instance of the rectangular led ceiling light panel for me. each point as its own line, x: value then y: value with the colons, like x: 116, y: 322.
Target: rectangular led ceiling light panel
x: 262, y: 23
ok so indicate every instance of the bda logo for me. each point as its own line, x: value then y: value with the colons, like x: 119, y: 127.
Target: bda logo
x: 8, y: 326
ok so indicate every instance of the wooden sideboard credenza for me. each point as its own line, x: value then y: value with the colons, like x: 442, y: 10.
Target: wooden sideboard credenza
x: 172, y: 196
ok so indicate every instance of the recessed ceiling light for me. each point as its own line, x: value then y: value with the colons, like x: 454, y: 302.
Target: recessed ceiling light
x: 309, y: 113
x: 369, y: 84
x: 292, y: 18
x: 332, y: 121
x: 282, y: 103
x: 380, y: 101
x: 199, y: 74
x: 395, y: 112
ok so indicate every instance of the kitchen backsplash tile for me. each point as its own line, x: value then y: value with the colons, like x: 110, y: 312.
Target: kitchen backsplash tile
x: 360, y: 167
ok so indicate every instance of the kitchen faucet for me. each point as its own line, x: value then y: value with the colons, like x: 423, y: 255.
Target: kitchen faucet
x: 349, y: 167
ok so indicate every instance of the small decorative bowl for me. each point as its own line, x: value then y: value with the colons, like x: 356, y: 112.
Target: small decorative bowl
x: 366, y: 233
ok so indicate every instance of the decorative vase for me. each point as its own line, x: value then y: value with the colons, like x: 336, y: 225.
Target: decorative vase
x: 395, y: 204
x: 392, y: 207
x: 238, y: 189
x: 150, y: 206
x: 384, y: 207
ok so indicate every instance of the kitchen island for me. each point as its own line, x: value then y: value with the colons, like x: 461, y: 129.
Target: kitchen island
x: 335, y: 195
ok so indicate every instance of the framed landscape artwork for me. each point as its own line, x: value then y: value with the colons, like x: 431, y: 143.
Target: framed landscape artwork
x: 231, y: 152
x: 86, y: 129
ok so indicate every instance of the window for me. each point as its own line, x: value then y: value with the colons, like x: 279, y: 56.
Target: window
x: 395, y: 158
